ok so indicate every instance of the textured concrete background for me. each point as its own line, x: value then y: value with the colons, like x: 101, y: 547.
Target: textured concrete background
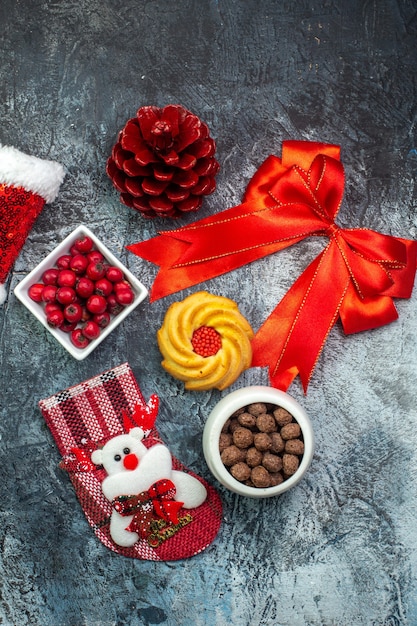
x: 340, y: 549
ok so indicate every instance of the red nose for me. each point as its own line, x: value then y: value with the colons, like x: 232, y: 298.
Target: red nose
x: 131, y: 461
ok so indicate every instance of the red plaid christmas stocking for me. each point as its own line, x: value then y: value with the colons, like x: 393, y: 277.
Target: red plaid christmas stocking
x: 140, y: 501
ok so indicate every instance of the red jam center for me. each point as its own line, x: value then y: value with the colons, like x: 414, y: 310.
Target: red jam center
x: 206, y: 341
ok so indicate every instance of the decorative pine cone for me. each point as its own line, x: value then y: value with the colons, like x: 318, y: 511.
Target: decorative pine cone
x: 163, y: 162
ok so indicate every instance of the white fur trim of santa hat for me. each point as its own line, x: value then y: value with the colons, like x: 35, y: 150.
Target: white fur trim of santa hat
x: 39, y: 176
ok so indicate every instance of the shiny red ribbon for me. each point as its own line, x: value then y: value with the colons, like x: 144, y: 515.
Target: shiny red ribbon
x: 158, y: 500
x: 354, y: 278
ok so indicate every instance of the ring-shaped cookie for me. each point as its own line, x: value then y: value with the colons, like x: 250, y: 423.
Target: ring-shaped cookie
x: 181, y: 358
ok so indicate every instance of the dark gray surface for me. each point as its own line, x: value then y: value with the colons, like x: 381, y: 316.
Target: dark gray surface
x: 340, y: 549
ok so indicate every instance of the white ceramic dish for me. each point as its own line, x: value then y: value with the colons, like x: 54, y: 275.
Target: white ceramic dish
x: 225, y: 408
x: 21, y: 292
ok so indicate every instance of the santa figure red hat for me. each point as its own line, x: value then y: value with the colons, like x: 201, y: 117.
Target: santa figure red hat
x: 27, y: 183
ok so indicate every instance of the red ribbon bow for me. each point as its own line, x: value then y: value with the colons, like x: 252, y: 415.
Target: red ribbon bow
x: 158, y: 500
x: 354, y: 278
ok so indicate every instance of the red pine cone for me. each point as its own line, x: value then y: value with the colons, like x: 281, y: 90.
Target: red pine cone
x: 163, y: 162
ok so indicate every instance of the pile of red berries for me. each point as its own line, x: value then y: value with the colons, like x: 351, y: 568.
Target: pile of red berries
x: 82, y: 292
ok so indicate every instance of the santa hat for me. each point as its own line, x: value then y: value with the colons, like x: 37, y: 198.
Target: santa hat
x: 26, y: 184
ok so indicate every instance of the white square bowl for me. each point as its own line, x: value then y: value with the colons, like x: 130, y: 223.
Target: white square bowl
x: 21, y: 292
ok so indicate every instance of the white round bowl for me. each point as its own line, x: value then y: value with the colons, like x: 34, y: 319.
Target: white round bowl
x: 221, y: 413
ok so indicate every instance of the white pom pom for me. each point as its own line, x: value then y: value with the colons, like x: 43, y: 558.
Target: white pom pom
x: 39, y: 176
x: 3, y: 294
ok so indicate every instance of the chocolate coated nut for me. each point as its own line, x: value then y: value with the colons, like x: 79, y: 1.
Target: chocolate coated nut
x: 260, y: 476
x: 266, y: 423
x: 231, y: 455
x: 272, y: 462
x: 240, y: 471
x: 275, y: 479
x: 290, y: 464
x: 262, y: 441
x: 233, y: 425
x: 242, y: 437
x: 282, y: 416
x: 294, y: 446
x: 278, y: 443
x: 225, y: 440
x: 254, y: 457
x: 291, y: 431
x: 256, y: 408
x: 247, y: 419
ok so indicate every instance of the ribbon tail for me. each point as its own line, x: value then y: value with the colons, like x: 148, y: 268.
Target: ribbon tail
x: 164, y: 251
x: 217, y: 245
x: 290, y: 341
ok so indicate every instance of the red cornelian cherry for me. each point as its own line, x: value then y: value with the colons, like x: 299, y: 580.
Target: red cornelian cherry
x: 125, y: 296
x: 49, y: 293
x: 64, y: 261
x: 65, y: 295
x: 121, y: 285
x: 55, y: 318
x: 114, y: 274
x: 103, y: 287
x: 206, y: 341
x: 96, y: 270
x: 113, y: 306
x: 78, y: 339
x: 66, y: 278
x: 50, y: 276
x: 52, y: 306
x: 84, y: 244
x: 35, y: 292
x: 84, y: 287
x: 91, y: 330
x: 86, y: 315
x: 95, y: 256
x: 96, y: 304
x: 79, y: 264
x: 73, y: 312
x: 73, y: 250
x: 67, y: 327
x: 102, y: 319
